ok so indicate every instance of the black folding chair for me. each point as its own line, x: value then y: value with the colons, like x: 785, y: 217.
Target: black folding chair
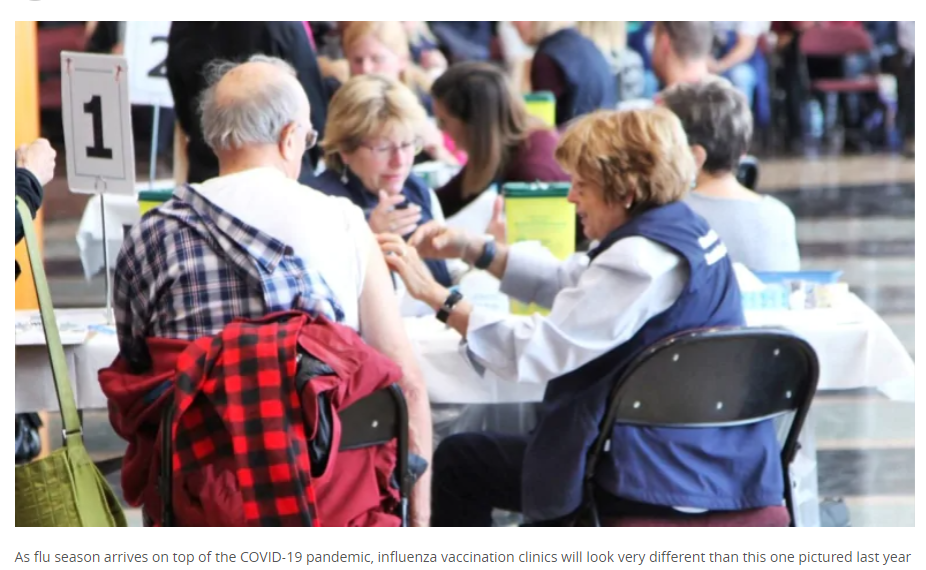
x: 708, y: 379
x: 747, y: 173
x: 375, y: 420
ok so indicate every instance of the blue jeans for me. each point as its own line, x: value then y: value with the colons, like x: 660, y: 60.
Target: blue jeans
x: 744, y: 78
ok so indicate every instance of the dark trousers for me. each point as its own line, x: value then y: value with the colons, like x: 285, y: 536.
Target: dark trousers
x: 906, y: 99
x: 475, y: 473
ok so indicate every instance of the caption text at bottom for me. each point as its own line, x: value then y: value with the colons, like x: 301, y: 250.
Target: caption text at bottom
x: 576, y: 557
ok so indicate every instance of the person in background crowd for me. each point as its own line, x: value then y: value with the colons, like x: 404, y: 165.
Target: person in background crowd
x: 759, y: 231
x: 626, y: 64
x: 682, y: 51
x: 192, y: 45
x: 570, y: 66
x: 658, y: 270
x: 639, y: 39
x: 374, y: 133
x: 479, y: 109
x: 738, y: 57
x: 424, y: 47
x: 35, y: 167
x: 383, y: 48
x: 906, y: 101
x: 331, y: 62
x: 466, y: 41
x: 254, y: 241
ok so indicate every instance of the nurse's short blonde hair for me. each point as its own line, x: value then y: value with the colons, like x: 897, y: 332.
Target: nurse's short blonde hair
x: 639, y: 156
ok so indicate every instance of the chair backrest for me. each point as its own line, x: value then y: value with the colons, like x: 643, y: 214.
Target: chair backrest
x: 715, y: 378
x: 718, y: 377
x: 834, y: 41
x: 374, y: 420
x: 747, y: 173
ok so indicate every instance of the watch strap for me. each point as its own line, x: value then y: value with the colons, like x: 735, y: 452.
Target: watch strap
x: 444, y: 312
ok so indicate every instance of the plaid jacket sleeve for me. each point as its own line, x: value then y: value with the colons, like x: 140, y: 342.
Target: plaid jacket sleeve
x: 130, y: 309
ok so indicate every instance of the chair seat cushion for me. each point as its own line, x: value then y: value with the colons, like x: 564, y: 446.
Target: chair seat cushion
x: 862, y: 84
x: 768, y: 517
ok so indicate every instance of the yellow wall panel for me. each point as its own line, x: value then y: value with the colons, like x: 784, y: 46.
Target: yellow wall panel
x: 27, y: 130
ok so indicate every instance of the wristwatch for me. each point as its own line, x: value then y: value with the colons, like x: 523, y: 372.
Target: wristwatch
x: 444, y: 312
x: 488, y: 254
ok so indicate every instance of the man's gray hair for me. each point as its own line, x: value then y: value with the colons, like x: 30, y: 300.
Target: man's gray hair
x: 255, y: 120
x: 715, y: 116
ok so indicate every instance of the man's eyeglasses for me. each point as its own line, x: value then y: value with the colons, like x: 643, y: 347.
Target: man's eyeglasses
x: 311, y: 138
x: 384, y: 151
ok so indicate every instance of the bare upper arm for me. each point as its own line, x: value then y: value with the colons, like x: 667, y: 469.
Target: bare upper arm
x: 380, y: 320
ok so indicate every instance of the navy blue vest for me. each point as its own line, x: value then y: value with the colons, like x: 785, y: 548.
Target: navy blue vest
x: 588, y: 74
x: 718, y: 469
x: 415, y: 192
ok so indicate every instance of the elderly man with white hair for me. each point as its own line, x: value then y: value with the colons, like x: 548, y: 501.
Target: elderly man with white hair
x: 254, y: 241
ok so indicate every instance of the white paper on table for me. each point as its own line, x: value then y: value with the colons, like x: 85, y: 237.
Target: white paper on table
x: 476, y: 216
x: 74, y: 326
x: 482, y: 290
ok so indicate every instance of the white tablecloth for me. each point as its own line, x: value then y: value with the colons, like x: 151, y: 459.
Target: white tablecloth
x: 855, y: 347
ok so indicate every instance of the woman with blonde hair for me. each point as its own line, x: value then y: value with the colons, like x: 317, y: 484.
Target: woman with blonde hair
x: 570, y: 66
x: 375, y: 127
x: 383, y: 48
x: 658, y: 269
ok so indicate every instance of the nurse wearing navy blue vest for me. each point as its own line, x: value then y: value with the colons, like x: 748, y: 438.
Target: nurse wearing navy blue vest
x: 370, y: 145
x: 656, y: 269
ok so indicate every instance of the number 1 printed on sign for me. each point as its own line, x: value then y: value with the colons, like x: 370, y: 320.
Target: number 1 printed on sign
x: 95, y: 109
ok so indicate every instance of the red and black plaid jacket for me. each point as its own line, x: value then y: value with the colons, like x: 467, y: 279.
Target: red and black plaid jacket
x: 241, y: 428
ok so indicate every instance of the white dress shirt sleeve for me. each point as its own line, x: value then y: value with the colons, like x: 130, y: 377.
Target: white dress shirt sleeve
x: 594, y: 308
x: 534, y: 275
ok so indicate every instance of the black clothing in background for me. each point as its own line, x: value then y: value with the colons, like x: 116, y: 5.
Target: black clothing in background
x: 30, y: 190
x: 193, y: 45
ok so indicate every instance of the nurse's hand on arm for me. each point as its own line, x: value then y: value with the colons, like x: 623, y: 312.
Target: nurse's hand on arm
x: 435, y: 241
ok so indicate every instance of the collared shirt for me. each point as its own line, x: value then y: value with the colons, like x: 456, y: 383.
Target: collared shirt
x: 189, y: 268
x: 595, y: 307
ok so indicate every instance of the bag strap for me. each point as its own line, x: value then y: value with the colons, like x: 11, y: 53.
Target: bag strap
x: 66, y: 402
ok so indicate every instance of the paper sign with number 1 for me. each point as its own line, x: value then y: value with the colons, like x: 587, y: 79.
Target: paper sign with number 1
x: 97, y: 121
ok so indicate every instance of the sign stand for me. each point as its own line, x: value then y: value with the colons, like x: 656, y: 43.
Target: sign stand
x: 97, y: 120
x: 155, y: 128
x: 110, y: 317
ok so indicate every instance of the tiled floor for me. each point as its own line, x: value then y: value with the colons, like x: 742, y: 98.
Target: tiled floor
x: 853, y: 214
